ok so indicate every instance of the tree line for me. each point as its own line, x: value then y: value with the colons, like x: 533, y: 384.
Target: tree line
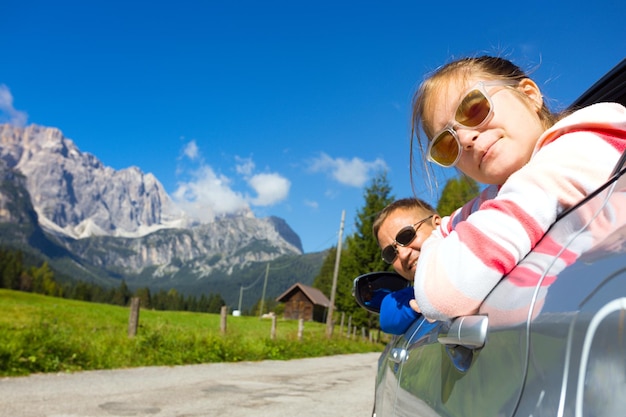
x: 15, y: 274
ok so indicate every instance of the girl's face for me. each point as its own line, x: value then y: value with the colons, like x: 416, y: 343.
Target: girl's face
x: 504, y: 144
x: 407, y: 256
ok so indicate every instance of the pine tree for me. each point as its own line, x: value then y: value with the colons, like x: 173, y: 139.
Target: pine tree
x: 11, y: 266
x: 324, y: 279
x: 121, y: 295
x: 360, y: 255
x: 43, y: 281
x: 82, y: 291
x: 456, y: 192
x: 145, y: 298
x: 215, y: 303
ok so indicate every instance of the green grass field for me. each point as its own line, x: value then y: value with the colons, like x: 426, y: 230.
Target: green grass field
x: 48, y: 334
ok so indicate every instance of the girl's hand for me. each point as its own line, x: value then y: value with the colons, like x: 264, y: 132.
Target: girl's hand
x: 415, y: 307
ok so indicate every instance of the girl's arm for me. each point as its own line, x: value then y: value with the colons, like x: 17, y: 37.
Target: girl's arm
x: 458, y: 268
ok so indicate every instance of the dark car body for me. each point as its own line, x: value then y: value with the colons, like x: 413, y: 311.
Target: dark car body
x: 553, y: 346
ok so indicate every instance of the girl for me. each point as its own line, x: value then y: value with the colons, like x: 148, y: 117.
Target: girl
x: 486, y: 117
x: 400, y: 229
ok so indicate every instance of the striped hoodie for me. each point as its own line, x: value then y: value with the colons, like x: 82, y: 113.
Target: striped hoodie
x: 466, y: 257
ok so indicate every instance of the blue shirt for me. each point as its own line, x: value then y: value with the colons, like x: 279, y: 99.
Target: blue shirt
x: 396, y: 315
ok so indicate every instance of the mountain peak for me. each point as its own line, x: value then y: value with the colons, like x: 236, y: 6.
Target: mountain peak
x: 75, y: 195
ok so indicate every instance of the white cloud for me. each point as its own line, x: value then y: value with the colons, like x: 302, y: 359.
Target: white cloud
x: 208, y: 194
x: 270, y: 189
x: 354, y: 172
x: 191, y: 150
x: 245, y: 166
x: 312, y: 204
x: 8, y: 114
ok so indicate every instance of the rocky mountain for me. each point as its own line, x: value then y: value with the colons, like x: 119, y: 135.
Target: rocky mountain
x: 105, y: 224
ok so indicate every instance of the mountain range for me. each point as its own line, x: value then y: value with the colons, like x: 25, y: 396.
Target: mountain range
x: 97, y: 224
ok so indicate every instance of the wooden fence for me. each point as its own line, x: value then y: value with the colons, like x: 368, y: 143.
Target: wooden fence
x: 351, y: 333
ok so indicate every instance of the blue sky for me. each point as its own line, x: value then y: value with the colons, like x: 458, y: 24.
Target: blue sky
x: 286, y: 107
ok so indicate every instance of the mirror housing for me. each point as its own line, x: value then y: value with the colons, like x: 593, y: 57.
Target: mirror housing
x: 370, y: 289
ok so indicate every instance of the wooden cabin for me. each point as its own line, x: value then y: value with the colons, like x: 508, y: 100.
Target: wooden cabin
x: 304, y: 302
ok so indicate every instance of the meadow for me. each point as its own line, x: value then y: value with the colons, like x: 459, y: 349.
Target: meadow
x: 48, y: 334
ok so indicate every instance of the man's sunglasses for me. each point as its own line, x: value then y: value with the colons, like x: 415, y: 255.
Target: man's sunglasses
x: 475, y: 109
x: 405, y: 236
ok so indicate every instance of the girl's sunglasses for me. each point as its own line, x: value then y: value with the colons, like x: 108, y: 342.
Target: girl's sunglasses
x: 405, y: 236
x: 475, y: 109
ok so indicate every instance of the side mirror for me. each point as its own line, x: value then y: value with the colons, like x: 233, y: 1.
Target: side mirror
x: 370, y: 289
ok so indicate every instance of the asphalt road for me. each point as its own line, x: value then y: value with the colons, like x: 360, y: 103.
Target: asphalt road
x: 341, y: 386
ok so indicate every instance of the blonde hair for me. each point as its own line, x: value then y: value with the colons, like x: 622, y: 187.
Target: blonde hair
x: 489, y: 67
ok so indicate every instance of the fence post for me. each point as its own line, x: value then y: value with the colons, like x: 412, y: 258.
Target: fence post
x: 223, y: 315
x: 343, y: 317
x: 133, y: 319
x: 273, y: 330
x: 300, y: 328
x: 349, y: 326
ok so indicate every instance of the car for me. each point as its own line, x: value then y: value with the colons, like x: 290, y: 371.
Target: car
x: 553, y: 346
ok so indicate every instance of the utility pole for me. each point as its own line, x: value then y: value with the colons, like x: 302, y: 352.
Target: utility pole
x: 267, y: 271
x: 329, y: 318
x: 240, y: 297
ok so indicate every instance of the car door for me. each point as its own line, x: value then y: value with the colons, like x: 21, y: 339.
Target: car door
x: 391, y: 398
x: 577, y: 349
x: 479, y: 373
